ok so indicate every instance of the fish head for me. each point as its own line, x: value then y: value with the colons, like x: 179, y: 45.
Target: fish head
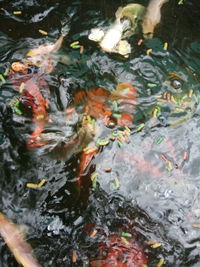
x: 132, y: 13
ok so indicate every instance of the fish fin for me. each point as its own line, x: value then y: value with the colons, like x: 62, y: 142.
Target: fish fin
x: 58, y: 44
x: 118, y: 13
x: 46, y: 48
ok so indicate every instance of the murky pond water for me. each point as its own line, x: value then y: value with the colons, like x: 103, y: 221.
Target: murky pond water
x: 136, y: 188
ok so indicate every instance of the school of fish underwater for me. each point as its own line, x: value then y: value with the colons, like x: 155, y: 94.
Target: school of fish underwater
x: 100, y: 133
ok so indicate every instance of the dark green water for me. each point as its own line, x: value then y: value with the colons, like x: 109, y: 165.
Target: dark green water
x: 157, y: 199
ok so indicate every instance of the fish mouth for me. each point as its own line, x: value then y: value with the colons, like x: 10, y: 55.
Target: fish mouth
x: 126, y: 23
x: 148, y: 35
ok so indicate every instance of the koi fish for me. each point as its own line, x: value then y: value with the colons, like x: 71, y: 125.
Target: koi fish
x: 14, y: 239
x: 97, y: 103
x: 42, y: 57
x: 31, y: 97
x: 47, y: 49
x: 141, y: 164
x: 152, y: 17
x: 32, y: 83
x: 120, y: 253
x: 126, y: 24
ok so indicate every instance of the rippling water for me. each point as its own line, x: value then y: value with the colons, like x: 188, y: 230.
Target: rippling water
x: 152, y: 187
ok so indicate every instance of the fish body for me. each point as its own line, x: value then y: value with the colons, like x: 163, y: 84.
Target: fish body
x: 126, y: 24
x: 46, y: 49
x: 44, y: 56
x: 112, y: 37
x: 120, y: 253
x: 152, y: 17
x: 134, y: 13
x: 32, y: 97
x: 24, y: 73
x: 16, y: 243
x: 80, y: 125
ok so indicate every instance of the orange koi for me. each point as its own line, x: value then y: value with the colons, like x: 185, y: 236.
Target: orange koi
x: 85, y: 160
x: 120, y: 253
x: 38, y: 104
x: 96, y: 104
x: 141, y: 164
x: 14, y: 239
x: 124, y: 91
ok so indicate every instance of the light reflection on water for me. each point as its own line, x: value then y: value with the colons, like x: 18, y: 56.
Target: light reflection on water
x: 156, y: 192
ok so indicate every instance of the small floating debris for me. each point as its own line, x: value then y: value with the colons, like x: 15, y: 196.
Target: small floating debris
x: 17, y: 12
x: 140, y: 42
x: 155, y: 112
x: 124, y: 240
x: 151, y: 242
x: 165, y: 46
x: 17, y: 110
x: 107, y: 169
x: 140, y: 127
x: 6, y: 72
x: 15, y: 104
x: 160, y: 263
x: 127, y: 130
x: 180, y: 2
x: 2, y: 78
x: 94, y: 233
x: 151, y: 85
x: 126, y: 234
x: 185, y: 156
x: 120, y: 139
x: 159, y: 140
x: 94, y: 177
x: 117, y: 182
x: 148, y: 51
x: 169, y: 167
x: 31, y: 185
x: 190, y: 93
x: 163, y: 158
x: 75, y: 45
x: 43, y: 32
x: 102, y: 141
x: 197, y: 226
x: 156, y: 245
x: 89, y: 150
x: 81, y: 49
x: 21, y: 88
x: 74, y: 256
x: 39, y: 117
